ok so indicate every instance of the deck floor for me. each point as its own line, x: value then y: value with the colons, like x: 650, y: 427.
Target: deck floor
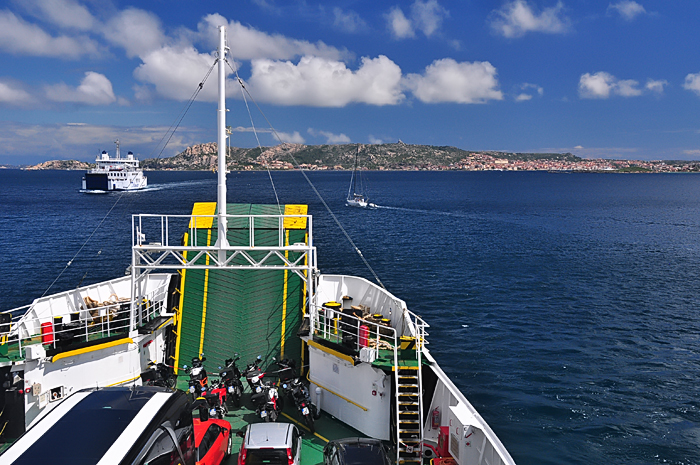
x: 327, y: 428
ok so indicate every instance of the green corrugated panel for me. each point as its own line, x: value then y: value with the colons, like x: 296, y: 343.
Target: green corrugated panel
x: 244, y: 307
x: 193, y: 299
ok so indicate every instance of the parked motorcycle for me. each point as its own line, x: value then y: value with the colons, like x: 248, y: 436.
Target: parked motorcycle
x: 198, y: 381
x: 253, y: 374
x: 267, y: 401
x: 214, y: 396
x: 231, y: 378
x: 158, y: 374
x: 297, y: 391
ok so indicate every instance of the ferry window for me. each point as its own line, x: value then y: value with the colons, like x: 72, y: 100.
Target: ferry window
x: 162, y: 452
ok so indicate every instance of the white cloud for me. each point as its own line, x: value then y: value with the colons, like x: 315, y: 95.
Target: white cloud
x: 63, y: 13
x: 516, y: 18
x: 527, y: 94
x: 399, y: 26
x: 628, y: 88
x: 692, y: 83
x: 13, y: 94
x: 320, y: 82
x: 348, y: 21
x: 330, y: 137
x: 628, y: 9
x: 84, y: 141
x: 598, y: 85
x: 137, y: 31
x: 449, y: 81
x: 175, y: 73
x: 602, y: 85
x: 94, y: 89
x: 293, y: 138
x: 656, y: 87
x: 375, y: 140
x: 248, y: 43
x: 20, y: 37
x: 426, y: 16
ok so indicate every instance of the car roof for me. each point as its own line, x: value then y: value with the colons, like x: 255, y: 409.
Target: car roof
x: 112, y: 417
x: 361, y: 450
x: 275, y: 435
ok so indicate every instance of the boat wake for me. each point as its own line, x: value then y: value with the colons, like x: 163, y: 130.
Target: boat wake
x: 177, y: 185
x: 418, y: 210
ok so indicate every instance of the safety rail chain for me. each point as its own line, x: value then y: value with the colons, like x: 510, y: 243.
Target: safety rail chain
x: 87, y: 324
x: 345, y: 329
x: 167, y: 251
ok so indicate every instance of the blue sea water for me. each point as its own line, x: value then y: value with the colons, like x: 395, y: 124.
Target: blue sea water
x: 564, y: 306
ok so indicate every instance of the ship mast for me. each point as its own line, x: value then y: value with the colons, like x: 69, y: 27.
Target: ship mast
x: 222, y: 241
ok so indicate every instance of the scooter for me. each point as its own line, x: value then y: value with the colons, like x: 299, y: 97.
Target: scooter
x: 231, y: 378
x: 198, y: 381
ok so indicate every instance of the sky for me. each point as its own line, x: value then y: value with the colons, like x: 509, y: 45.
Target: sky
x: 600, y: 79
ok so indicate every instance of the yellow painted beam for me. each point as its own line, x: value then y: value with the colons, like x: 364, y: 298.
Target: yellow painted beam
x: 85, y: 350
x: 179, y: 311
x: 204, y: 299
x: 335, y: 353
x: 338, y: 395
x: 284, y: 298
x: 125, y: 381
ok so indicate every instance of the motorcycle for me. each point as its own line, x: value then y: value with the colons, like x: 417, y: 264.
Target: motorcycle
x: 297, y: 392
x: 302, y: 400
x: 198, y: 381
x: 231, y: 378
x: 267, y: 401
x: 159, y: 374
x: 253, y: 374
x: 214, y: 397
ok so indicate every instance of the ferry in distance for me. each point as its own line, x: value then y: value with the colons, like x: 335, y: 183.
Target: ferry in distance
x: 114, y: 174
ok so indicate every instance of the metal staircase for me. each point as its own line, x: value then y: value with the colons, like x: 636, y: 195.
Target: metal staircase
x: 409, y: 396
x: 410, y: 414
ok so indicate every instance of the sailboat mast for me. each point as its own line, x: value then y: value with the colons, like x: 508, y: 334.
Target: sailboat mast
x: 221, y: 240
x: 354, y: 173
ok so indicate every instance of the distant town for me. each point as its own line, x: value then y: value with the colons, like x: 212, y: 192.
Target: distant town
x: 383, y: 157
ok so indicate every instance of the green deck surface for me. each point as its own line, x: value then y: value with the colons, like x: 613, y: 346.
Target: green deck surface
x: 242, y: 311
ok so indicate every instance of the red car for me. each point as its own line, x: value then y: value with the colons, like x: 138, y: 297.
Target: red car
x: 212, y: 439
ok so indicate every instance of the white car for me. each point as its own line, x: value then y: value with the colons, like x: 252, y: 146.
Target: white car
x: 270, y: 443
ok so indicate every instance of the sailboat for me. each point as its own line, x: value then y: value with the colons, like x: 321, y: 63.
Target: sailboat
x: 243, y: 278
x: 354, y: 198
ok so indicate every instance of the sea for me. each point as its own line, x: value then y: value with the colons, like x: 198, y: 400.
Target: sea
x: 565, y: 306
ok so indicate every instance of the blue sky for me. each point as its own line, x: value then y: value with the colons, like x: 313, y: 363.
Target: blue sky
x: 610, y: 79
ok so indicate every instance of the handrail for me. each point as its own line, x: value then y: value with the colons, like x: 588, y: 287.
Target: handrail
x: 86, y: 324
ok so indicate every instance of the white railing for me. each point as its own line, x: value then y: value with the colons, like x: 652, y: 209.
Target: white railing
x: 158, y: 243
x: 360, y: 335
x: 92, y: 320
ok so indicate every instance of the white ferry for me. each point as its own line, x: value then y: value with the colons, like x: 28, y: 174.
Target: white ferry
x: 244, y: 279
x: 114, y: 174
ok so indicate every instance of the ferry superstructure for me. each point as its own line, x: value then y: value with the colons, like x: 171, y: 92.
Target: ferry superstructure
x: 244, y: 278
x: 115, y: 173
